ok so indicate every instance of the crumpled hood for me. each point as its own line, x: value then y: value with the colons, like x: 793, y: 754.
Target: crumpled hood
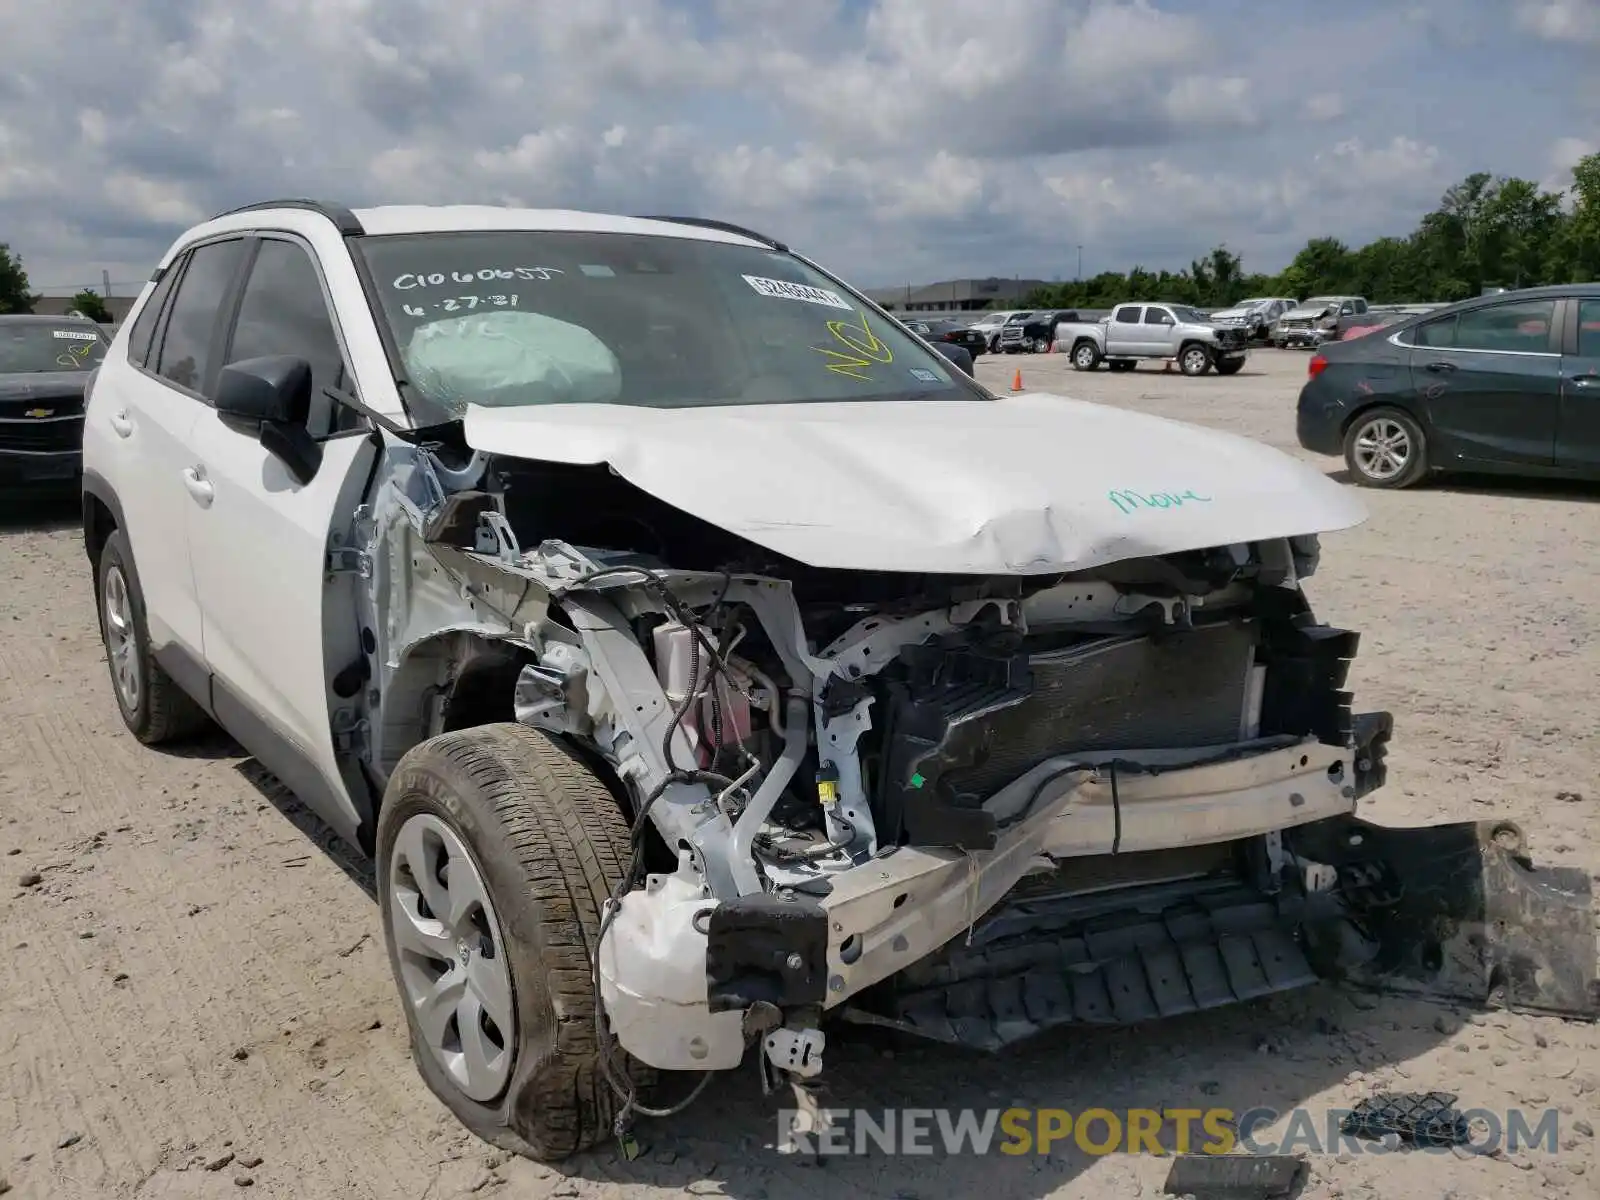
x: 1030, y: 484
x: 1233, y: 314
x: 1315, y: 310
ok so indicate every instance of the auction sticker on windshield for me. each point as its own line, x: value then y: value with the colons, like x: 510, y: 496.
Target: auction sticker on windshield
x: 75, y: 336
x: 782, y: 289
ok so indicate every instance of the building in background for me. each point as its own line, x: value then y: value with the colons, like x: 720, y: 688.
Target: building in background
x: 956, y: 295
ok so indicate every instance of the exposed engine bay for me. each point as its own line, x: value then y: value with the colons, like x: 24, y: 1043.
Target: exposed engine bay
x: 966, y: 807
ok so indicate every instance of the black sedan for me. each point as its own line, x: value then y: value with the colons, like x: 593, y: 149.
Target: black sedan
x: 948, y: 330
x: 45, y: 366
x: 1506, y: 384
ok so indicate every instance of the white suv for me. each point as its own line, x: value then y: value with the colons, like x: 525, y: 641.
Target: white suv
x: 699, y: 654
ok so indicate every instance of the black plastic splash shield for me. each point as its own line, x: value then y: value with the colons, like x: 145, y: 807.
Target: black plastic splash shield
x: 1457, y: 912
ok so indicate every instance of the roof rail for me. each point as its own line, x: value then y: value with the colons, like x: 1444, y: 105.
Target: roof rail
x: 343, y: 219
x: 725, y: 227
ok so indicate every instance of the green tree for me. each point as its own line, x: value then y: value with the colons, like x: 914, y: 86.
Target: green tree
x: 1486, y: 231
x: 89, y: 303
x: 15, y: 296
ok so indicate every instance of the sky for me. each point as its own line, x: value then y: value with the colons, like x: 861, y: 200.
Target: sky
x: 893, y: 141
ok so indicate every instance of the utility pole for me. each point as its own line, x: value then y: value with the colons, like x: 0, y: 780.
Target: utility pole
x: 105, y: 284
x: 1080, y: 264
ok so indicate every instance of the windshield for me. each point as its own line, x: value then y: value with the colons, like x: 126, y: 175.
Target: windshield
x: 515, y: 318
x: 29, y: 347
x: 1319, y: 302
x: 1187, y: 315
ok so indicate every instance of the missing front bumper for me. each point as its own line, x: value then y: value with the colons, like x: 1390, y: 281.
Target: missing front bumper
x: 1452, y: 912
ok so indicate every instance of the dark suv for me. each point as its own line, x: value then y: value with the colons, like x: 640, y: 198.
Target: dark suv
x: 1034, y: 332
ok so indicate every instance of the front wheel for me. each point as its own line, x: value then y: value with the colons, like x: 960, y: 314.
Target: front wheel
x: 1085, y: 356
x: 496, y: 850
x: 1194, y: 360
x: 1385, y: 448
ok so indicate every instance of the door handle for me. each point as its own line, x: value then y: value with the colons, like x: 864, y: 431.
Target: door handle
x: 121, y: 424
x: 199, y: 486
x: 1440, y: 367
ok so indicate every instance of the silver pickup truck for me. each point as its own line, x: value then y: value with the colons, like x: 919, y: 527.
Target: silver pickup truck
x: 1166, y: 331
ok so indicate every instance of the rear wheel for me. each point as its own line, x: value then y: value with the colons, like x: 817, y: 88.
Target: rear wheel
x: 153, y: 707
x: 1230, y: 366
x: 496, y: 850
x: 1385, y: 448
x: 1086, y: 356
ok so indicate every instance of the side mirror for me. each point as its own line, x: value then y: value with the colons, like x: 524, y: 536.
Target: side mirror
x: 273, y: 395
x: 276, y: 388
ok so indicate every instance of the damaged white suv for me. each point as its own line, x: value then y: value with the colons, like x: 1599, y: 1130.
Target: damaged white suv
x: 703, y: 659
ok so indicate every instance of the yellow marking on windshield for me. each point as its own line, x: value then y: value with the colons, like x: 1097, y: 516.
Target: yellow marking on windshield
x: 867, y: 348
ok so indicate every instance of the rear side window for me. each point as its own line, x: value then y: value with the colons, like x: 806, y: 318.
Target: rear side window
x: 1589, y: 329
x: 185, y: 356
x: 1521, y: 325
x: 1128, y: 314
x: 1439, y: 335
x: 1157, y: 316
x: 144, y: 329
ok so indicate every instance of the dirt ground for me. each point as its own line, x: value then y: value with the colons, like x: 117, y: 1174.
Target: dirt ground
x: 194, y: 996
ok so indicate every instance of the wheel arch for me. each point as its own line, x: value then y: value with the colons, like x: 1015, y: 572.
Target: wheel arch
x: 460, y: 679
x: 1374, y: 402
x: 102, y: 514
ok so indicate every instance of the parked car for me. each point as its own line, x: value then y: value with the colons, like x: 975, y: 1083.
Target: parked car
x: 1316, y: 320
x: 47, y: 364
x: 989, y: 323
x: 1033, y: 332
x: 1256, y: 316
x: 447, y: 516
x: 1506, y: 383
x: 1167, y: 331
x: 949, y: 330
x: 959, y: 355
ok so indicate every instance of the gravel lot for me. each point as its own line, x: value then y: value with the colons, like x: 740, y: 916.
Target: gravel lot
x: 194, y: 995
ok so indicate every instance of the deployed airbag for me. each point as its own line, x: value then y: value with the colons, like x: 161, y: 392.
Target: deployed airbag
x: 511, y: 358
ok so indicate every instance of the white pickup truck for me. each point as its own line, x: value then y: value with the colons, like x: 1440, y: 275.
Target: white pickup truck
x: 1165, y: 331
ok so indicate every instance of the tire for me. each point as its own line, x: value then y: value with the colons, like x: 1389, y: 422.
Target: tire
x: 1121, y: 365
x: 1230, y: 366
x: 153, y: 707
x: 1027, y: 345
x: 1085, y: 356
x: 1399, y: 431
x: 1194, y: 359
x: 545, y: 844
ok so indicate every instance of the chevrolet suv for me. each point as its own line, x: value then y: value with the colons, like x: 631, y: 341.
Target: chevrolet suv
x: 703, y: 659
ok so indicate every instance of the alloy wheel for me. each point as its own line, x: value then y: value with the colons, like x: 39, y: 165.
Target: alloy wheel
x: 455, y: 975
x: 1382, y: 449
x: 121, y: 645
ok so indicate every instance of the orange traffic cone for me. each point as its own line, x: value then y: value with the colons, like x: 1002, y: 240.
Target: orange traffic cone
x: 1016, y: 381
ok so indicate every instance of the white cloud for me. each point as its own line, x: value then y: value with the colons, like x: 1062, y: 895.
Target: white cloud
x: 1324, y: 106
x: 1561, y: 20
x: 893, y: 138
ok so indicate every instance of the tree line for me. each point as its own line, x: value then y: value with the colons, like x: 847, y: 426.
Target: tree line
x: 1487, y: 231
x: 16, y: 296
